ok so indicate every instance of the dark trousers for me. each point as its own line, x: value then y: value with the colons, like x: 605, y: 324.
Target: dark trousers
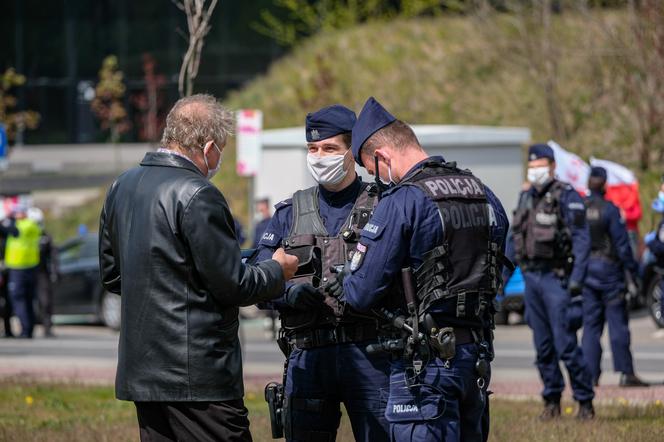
x: 320, y: 379
x: 444, y: 404
x: 22, y: 286
x: 600, y: 307
x: 45, y: 293
x: 546, y: 308
x: 7, y: 305
x: 224, y: 421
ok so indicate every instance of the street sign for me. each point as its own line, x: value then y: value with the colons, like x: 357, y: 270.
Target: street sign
x: 4, y: 148
x: 249, y: 146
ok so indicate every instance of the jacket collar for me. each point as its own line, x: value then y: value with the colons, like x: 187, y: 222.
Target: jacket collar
x: 165, y: 159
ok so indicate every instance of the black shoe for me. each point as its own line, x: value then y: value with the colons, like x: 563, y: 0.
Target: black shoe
x: 632, y: 380
x: 586, y: 411
x: 551, y: 411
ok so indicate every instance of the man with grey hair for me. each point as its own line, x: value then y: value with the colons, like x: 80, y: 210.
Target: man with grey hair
x: 168, y: 246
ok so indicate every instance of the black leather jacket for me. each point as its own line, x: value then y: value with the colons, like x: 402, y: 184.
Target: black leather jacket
x: 167, y: 245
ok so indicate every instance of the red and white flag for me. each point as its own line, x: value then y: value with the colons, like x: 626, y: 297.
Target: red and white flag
x: 622, y: 189
x: 570, y: 168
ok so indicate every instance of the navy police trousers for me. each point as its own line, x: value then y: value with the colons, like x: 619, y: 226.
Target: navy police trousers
x: 600, y: 307
x: 445, y: 403
x: 546, y: 308
x: 22, y: 287
x: 319, y: 379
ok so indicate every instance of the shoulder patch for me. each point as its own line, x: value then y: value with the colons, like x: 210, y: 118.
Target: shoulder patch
x: 576, y: 206
x: 270, y: 239
x: 373, y: 229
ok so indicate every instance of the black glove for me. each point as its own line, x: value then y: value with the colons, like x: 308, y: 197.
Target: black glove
x: 304, y: 297
x: 335, y: 287
x: 574, y: 313
x: 575, y: 288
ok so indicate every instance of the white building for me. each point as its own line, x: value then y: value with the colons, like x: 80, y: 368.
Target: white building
x: 494, y: 154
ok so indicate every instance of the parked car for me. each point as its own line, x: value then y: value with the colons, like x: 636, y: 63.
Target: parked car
x: 511, y: 300
x: 78, y: 290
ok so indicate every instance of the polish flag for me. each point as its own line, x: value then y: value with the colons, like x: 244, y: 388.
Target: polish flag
x: 622, y: 189
x: 570, y: 168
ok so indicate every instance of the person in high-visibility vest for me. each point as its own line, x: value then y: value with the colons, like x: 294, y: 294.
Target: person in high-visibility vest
x: 22, y: 260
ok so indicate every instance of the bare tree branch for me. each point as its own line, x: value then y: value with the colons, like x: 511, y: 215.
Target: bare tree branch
x: 198, y: 19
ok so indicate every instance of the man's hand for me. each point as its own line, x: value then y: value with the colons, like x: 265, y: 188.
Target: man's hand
x: 335, y: 287
x: 304, y: 297
x: 575, y: 288
x: 287, y: 262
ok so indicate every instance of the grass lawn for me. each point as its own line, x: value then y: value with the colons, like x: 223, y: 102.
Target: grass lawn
x: 52, y: 412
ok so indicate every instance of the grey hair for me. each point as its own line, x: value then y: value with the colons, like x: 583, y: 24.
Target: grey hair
x: 195, y: 120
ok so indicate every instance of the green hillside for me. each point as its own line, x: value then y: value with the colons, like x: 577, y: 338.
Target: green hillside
x: 454, y: 70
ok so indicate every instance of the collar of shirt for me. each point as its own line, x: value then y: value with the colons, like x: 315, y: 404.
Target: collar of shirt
x: 416, y: 167
x: 343, y: 196
x: 176, y: 153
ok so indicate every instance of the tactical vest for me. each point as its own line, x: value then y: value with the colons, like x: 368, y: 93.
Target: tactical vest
x: 22, y: 251
x: 600, y: 242
x: 461, y: 274
x: 541, y: 238
x: 318, y: 251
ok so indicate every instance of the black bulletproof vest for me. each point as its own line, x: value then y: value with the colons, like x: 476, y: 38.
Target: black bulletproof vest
x: 318, y: 250
x: 600, y: 240
x: 539, y: 232
x: 461, y: 272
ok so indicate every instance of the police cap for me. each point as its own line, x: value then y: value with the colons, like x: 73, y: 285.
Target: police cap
x: 537, y: 151
x: 372, y: 118
x: 328, y: 122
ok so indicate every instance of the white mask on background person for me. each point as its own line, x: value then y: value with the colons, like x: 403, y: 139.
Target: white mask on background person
x: 327, y: 169
x: 660, y: 196
x: 212, y: 172
x: 538, y: 176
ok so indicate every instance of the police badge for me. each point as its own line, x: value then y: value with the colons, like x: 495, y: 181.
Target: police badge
x: 358, y: 257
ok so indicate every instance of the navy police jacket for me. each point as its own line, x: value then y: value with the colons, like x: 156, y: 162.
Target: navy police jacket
x: 405, y: 225
x: 605, y: 274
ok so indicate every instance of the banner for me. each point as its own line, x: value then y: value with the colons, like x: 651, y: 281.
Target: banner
x: 622, y: 189
x: 570, y: 168
x: 249, y: 145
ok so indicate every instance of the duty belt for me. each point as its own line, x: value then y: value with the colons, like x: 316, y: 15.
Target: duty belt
x: 320, y: 337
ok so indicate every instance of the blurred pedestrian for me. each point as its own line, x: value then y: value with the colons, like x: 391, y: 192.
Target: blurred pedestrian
x: 5, y: 303
x: 239, y: 231
x: 262, y: 220
x: 22, y: 261
x: 604, y: 288
x: 47, y: 273
x: 167, y: 244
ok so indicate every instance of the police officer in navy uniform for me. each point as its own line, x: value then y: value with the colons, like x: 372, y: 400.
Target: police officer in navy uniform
x: 603, y: 300
x: 551, y: 243
x: 328, y: 362
x: 443, y: 225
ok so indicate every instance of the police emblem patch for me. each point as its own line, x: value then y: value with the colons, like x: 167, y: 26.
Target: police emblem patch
x: 315, y: 135
x: 358, y: 257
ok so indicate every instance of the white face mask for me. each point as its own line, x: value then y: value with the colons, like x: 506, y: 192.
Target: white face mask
x: 212, y: 172
x: 328, y: 169
x: 390, y: 181
x: 538, y: 176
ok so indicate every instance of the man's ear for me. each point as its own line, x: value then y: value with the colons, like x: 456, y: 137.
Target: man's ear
x: 209, y: 145
x: 383, y: 154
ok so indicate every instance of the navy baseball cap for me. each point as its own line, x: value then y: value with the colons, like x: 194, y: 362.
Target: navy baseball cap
x: 328, y: 122
x: 372, y: 118
x: 598, y: 172
x: 537, y: 151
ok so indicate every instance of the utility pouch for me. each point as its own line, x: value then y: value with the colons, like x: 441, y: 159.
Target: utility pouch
x: 274, y: 395
x: 310, y: 258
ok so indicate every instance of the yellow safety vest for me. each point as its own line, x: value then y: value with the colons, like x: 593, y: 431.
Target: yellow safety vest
x: 22, y: 251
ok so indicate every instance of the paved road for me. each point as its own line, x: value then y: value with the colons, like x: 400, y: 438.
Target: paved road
x: 88, y: 354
